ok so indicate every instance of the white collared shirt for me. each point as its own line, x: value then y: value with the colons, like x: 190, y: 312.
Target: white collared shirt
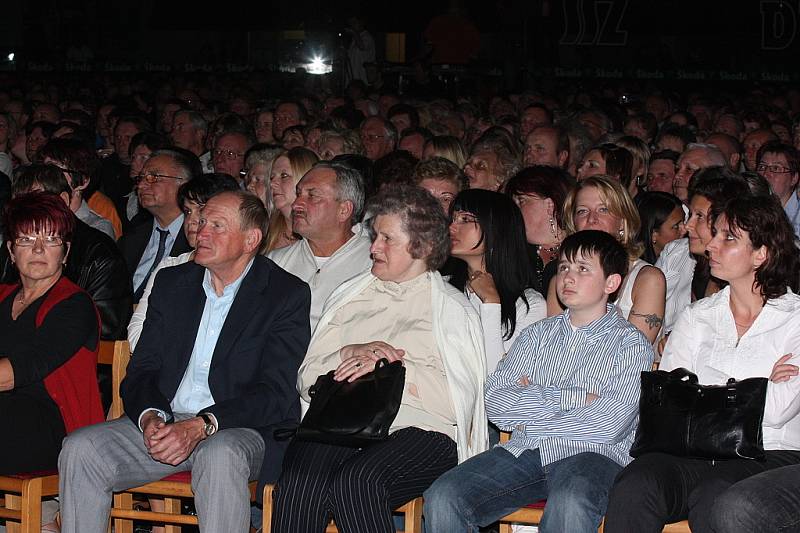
x: 705, y: 341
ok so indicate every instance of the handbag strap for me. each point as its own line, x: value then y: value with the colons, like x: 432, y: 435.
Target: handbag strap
x: 682, y: 374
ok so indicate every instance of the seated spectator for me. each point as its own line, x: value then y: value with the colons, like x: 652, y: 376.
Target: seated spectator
x: 413, y: 140
x: 607, y: 160
x: 684, y: 261
x: 403, y: 116
x: 334, y: 247
x: 378, y: 136
x: 643, y: 126
x: 602, y: 203
x: 491, y: 163
x: 662, y: 222
x: 401, y: 311
x: 752, y: 143
x: 333, y: 143
x: 569, y: 450
x: 160, y: 234
x: 753, y: 251
x: 661, y: 172
x: 227, y: 156
x: 79, y: 163
x: 185, y: 413
x: 674, y: 137
x: 94, y: 262
x: 142, y: 146
x: 547, y: 145
x: 286, y: 170
x: 532, y: 117
x: 293, y: 136
x: 393, y: 168
x: 49, y: 340
x: 114, y: 173
x: 696, y: 156
x: 640, y: 153
x: 440, y: 177
x: 192, y: 196
x: 36, y: 135
x: 448, y: 147
x: 730, y: 147
x: 258, y: 167
x: 262, y: 124
x: 540, y: 192
x: 487, y: 235
x: 779, y: 164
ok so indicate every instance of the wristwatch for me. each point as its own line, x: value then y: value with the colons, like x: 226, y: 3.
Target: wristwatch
x: 209, y: 429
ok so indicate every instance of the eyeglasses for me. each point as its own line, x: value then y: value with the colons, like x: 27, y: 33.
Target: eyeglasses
x: 154, y: 177
x: 463, y: 218
x: 371, y: 138
x: 775, y: 169
x: 480, y: 166
x: 28, y: 241
x: 229, y: 154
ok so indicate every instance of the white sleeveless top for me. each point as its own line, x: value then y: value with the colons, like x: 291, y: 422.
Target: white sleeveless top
x: 624, y: 300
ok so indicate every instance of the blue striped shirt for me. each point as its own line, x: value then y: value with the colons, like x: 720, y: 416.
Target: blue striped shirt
x: 563, y: 364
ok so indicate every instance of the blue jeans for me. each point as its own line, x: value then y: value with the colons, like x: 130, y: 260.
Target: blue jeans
x: 493, y: 484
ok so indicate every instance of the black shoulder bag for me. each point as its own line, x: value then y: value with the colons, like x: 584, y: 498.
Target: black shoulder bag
x: 680, y: 417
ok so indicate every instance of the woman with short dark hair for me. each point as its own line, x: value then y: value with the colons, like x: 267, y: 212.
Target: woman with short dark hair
x: 401, y: 311
x: 49, y: 337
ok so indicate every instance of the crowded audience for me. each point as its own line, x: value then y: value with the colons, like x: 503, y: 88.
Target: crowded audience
x: 524, y: 255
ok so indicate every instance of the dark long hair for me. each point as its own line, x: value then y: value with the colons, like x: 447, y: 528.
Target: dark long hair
x: 507, y: 258
x: 654, y: 208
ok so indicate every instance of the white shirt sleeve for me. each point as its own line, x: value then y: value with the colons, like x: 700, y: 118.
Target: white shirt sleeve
x: 494, y: 344
x: 137, y: 320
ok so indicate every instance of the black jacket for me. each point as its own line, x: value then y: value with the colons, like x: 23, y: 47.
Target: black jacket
x: 134, y: 241
x: 96, y: 265
x: 254, y: 367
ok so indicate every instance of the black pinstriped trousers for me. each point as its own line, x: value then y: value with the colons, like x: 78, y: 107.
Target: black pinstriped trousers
x: 358, y: 487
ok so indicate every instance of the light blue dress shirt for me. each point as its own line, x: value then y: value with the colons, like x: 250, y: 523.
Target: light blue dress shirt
x: 792, y: 209
x: 194, y: 394
x: 152, y: 247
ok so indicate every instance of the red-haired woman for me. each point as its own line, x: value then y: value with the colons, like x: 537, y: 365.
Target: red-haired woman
x: 49, y: 335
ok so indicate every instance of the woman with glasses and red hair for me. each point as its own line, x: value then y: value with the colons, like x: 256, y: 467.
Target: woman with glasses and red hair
x: 49, y: 336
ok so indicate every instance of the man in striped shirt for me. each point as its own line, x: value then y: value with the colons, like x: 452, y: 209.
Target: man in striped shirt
x: 568, y: 391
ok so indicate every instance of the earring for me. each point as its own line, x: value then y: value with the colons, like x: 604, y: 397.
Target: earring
x: 553, y: 229
x: 621, y: 233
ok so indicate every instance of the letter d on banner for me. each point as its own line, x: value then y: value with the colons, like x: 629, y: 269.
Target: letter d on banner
x: 778, y: 24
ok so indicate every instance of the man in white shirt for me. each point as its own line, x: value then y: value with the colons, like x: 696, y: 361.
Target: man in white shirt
x: 334, y: 248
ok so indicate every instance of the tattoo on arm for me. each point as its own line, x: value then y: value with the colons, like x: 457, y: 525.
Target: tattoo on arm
x: 653, y: 320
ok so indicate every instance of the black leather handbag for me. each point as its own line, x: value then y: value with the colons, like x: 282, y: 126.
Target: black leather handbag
x: 680, y: 417
x: 358, y: 413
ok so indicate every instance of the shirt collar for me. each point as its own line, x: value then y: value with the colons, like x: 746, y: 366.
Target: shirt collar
x: 230, y: 290
x: 596, y: 329
x: 174, y: 227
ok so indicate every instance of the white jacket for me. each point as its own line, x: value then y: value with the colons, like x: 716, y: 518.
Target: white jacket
x: 350, y: 260
x: 459, y: 338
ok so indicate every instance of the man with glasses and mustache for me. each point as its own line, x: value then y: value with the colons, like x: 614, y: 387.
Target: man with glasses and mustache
x: 145, y: 245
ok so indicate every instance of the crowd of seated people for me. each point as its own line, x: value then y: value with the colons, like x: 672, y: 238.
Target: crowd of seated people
x: 524, y: 255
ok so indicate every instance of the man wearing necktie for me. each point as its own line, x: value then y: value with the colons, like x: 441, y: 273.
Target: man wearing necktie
x: 145, y: 245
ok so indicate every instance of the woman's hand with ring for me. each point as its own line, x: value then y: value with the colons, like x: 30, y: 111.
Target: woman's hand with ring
x: 375, y: 350
x: 353, y: 368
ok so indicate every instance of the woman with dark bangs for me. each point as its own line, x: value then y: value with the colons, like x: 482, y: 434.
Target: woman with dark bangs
x: 495, y: 271
x: 750, y: 328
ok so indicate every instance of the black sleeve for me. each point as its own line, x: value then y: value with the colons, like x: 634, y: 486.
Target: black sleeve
x: 108, y: 283
x: 70, y: 325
